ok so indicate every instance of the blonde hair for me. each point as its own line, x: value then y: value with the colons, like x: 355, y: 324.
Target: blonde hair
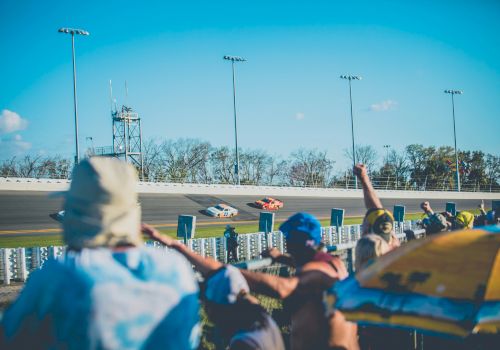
x: 369, y: 247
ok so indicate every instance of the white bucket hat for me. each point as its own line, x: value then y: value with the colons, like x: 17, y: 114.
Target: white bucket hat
x: 101, y: 207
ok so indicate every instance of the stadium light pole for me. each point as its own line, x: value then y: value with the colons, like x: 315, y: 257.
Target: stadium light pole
x: 237, y: 165
x: 349, y: 78
x: 74, y: 32
x: 387, y: 153
x: 453, y: 93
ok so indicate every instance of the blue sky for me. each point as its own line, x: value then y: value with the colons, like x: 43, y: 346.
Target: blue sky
x: 289, y: 93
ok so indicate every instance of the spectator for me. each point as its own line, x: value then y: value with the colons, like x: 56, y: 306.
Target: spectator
x: 464, y: 220
x: 493, y: 217
x: 231, y: 243
x: 311, y: 326
x: 434, y: 222
x: 243, y: 323
x: 377, y: 219
x: 368, y: 249
x: 108, y: 291
x: 426, y: 207
x: 481, y: 219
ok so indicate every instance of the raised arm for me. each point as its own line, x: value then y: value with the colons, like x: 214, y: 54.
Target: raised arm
x: 204, y: 265
x: 371, y: 198
x: 270, y: 285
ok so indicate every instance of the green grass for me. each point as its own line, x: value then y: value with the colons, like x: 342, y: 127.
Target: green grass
x: 202, y: 231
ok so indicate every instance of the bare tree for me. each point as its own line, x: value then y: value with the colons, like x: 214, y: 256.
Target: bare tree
x: 310, y: 168
x: 277, y: 170
x: 151, y: 160
x: 222, y: 165
x: 183, y: 159
x: 8, y: 168
x: 365, y: 155
x: 253, y: 164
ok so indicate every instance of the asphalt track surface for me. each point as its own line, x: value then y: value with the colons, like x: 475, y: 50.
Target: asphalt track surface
x: 28, y: 212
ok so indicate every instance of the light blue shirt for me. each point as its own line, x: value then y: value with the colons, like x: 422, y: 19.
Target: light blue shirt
x: 139, y: 298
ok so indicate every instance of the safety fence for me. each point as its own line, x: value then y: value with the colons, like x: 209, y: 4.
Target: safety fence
x: 17, y: 263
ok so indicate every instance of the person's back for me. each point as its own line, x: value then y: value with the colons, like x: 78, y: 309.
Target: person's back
x: 108, y: 291
x: 312, y: 325
x: 137, y: 298
x: 263, y: 338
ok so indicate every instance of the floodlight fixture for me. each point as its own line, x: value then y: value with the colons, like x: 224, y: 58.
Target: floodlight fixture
x: 73, y: 31
x: 351, y: 77
x: 454, y: 92
x: 234, y: 58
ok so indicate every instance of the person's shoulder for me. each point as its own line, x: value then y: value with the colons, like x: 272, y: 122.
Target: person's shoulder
x: 162, y: 255
x: 331, y: 265
x: 171, y: 265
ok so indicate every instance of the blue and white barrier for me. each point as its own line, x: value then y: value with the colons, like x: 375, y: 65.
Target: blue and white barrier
x: 17, y: 263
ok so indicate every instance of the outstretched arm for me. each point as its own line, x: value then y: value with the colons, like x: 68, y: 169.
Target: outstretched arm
x: 204, y: 265
x: 314, y: 277
x: 371, y: 198
x: 270, y: 285
x: 278, y: 257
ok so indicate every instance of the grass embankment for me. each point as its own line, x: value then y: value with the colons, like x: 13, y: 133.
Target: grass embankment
x: 202, y: 231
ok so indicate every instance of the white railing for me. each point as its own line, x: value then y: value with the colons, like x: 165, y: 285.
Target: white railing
x: 17, y: 263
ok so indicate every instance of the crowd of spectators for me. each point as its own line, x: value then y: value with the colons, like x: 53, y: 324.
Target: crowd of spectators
x: 110, y: 291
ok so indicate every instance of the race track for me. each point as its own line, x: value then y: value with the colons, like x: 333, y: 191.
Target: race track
x: 28, y: 212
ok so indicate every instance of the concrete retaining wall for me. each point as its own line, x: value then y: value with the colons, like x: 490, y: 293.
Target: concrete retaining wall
x: 49, y: 185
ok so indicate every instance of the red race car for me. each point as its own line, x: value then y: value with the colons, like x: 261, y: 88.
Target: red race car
x: 269, y: 203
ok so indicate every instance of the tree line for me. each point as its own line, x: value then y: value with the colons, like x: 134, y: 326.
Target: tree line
x: 196, y: 161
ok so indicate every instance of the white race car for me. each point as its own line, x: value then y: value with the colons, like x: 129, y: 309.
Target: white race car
x: 222, y: 211
x: 59, y: 216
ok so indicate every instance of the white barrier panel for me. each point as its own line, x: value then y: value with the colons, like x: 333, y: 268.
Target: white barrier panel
x: 48, y: 185
x: 16, y: 264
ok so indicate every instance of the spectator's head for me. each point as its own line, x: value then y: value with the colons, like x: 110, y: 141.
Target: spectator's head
x: 380, y: 222
x: 426, y: 207
x: 303, y: 236
x: 368, y: 248
x: 436, y: 223
x: 229, y: 303
x: 493, y: 217
x: 464, y: 220
x: 101, y: 207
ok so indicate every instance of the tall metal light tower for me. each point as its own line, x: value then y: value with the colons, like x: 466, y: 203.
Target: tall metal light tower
x: 74, y: 32
x: 237, y: 165
x: 349, y: 78
x: 453, y: 93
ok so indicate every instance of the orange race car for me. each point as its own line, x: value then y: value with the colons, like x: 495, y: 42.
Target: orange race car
x: 269, y: 203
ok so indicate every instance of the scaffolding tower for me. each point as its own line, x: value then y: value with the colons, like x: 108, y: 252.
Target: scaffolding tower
x: 127, y: 137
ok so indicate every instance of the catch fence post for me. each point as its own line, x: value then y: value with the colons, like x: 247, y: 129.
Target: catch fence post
x: 5, y: 255
x: 202, y: 247
x: 213, y: 240
x: 21, y: 264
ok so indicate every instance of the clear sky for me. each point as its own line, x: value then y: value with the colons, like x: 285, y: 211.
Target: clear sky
x: 289, y: 94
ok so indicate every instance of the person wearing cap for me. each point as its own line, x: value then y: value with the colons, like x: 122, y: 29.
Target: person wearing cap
x: 433, y: 222
x: 312, y: 327
x: 377, y: 220
x: 231, y: 243
x: 108, y: 290
x: 464, y: 220
x: 243, y: 323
